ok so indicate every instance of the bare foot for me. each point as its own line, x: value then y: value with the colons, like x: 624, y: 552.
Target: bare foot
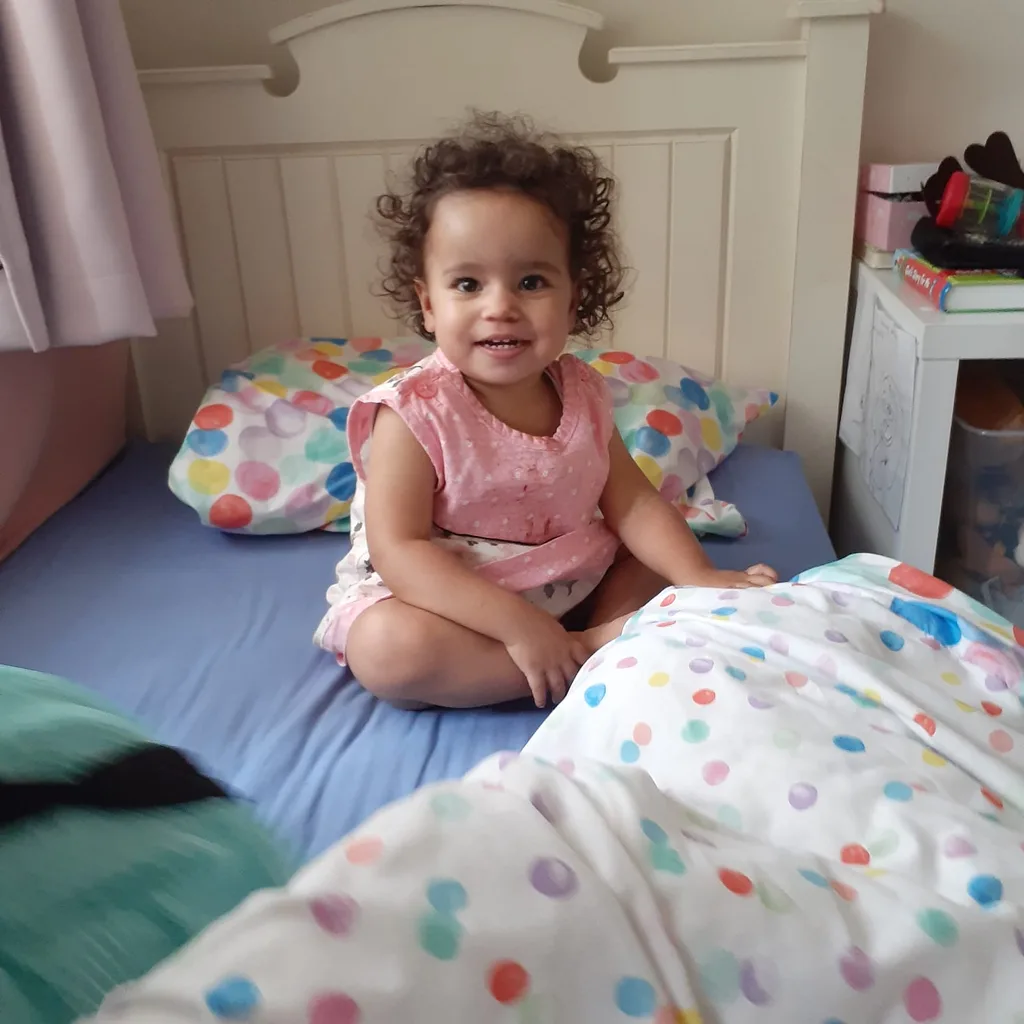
x: 596, y: 637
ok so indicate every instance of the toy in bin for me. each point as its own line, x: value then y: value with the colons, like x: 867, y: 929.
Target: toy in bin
x: 981, y: 207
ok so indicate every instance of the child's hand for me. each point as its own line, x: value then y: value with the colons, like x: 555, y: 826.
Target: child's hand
x: 545, y: 653
x: 756, y: 576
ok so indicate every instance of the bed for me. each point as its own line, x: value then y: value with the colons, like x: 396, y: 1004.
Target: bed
x: 737, y: 166
x: 205, y: 638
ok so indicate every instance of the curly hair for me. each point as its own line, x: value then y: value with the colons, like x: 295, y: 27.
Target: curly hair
x: 494, y: 151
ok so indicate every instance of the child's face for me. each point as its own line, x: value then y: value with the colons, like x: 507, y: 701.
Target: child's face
x: 497, y: 293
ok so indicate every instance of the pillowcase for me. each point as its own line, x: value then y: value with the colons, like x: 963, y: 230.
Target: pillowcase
x: 679, y: 425
x: 267, y: 451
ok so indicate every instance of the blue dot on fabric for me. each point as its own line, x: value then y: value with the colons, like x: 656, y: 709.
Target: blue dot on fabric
x: 985, y: 890
x: 235, y: 380
x: 753, y: 652
x: 635, y: 997
x: 593, y: 695
x: 898, y: 791
x: 379, y: 355
x: 724, y: 611
x: 651, y: 441
x: 629, y: 752
x: 815, y: 878
x: 446, y: 896
x: 851, y: 744
x: 207, y: 442
x: 694, y: 394
x: 233, y: 999
x: 736, y: 673
x: 938, y: 623
x: 654, y: 832
x: 341, y: 482
x: 847, y: 691
x: 891, y: 640
x: 331, y: 341
x: 339, y: 417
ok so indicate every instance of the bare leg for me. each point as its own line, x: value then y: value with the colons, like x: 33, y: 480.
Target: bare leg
x: 627, y: 587
x: 410, y: 658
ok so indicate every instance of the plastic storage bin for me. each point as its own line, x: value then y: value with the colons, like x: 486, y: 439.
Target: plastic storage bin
x: 981, y: 540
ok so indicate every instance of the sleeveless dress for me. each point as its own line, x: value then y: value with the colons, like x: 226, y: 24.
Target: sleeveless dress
x: 521, y: 510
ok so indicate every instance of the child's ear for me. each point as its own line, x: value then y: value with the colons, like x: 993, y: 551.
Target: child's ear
x: 425, y: 308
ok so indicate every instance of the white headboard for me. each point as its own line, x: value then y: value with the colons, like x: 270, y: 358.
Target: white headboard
x: 737, y: 166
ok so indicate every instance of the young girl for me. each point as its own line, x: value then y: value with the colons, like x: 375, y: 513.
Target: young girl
x: 494, y: 494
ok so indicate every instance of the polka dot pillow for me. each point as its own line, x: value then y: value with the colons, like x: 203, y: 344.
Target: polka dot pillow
x: 679, y: 425
x: 266, y: 451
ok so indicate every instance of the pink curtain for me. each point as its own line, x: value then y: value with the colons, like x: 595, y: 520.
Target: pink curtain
x: 86, y: 237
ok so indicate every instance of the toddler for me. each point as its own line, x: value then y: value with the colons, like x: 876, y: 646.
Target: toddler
x: 501, y: 532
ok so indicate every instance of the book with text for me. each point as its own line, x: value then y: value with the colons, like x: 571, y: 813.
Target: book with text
x: 961, y: 291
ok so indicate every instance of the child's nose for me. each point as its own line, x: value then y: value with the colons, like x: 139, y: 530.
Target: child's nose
x: 502, y: 304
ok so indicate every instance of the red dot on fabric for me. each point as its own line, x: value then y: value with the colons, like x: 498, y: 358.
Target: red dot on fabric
x: 334, y: 1008
x: 917, y: 582
x: 626, y: 663
x: 736, y: 882
x: 259, y: 480
x: 619, y: 358
x: 1018, y: 635
x: 365, y: 850
x: 854, y: 853
x: 667, y: 600
x: 1000, y: 741
x: 213, y: 417
x: 926, y: 723
x: 704, y: 697
x: 508, y: 982
x: 665, y: 422
x: 230, y: 512
x: 328, y: 370
x: 922, y: 1001
x: 844, y: 891
x: 796, y: 679
x: 991, y: 797
x: 641, y: 734
x: 310, y: 401
x: 991, y: 709
x: 362, y: 345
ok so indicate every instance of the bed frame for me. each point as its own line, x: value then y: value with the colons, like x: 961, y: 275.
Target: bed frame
x: 737, y: 165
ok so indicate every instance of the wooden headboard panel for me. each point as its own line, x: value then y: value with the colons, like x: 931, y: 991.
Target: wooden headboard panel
x: 737, y: 166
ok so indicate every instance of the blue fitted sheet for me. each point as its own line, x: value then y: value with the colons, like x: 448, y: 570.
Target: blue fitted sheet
x: 205, y: 639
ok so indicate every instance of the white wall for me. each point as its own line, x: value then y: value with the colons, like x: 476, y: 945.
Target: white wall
x: 942, y: 73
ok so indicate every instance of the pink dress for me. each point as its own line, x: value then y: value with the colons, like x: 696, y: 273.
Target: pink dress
x: 521, y: 510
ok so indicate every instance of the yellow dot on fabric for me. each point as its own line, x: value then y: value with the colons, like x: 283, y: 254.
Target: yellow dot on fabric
x: 950, y: 677
x: 873, y: 695
x: 326, y: 348
x: 337, y: 510
x: 603, y: 367
x: 658, y: 679
x: 206, y: 476
x: 935, y: 760
x: 272, y: 387
x: 650, y: 469
x: 968, y: 708
x: 1006, y: 634
x: 380, y: 378
x: 711, y: 433
x: 874, y: 872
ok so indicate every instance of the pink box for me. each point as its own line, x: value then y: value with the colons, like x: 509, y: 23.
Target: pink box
x: 894, y: 178
x: 885, y: 223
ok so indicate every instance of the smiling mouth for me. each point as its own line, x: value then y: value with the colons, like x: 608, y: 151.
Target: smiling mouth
x: 502, y: 344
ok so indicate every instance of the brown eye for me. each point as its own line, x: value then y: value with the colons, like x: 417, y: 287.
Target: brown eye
x: 532, y: 283
x: 466, y: 285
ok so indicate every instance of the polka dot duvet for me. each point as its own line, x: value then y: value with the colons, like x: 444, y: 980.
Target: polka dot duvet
x: 798, y: 804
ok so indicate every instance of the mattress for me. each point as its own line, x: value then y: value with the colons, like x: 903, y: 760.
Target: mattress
x: 205, y: 639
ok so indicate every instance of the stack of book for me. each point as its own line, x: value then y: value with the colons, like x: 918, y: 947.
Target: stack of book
x: 961, y: 291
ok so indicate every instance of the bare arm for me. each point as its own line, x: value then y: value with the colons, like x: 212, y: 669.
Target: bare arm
x: 656, y: 534
x: 399, y: 506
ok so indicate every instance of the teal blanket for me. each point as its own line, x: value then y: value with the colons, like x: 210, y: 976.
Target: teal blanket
x: 90, y: 899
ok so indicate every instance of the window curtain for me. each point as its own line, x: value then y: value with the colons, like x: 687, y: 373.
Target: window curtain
x: 87, y: 243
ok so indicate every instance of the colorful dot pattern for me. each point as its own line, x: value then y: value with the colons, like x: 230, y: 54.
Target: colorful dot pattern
x: 267, y: 450
x: 800, y: 860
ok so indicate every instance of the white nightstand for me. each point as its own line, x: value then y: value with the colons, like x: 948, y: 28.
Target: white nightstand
x: 942, y: 340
